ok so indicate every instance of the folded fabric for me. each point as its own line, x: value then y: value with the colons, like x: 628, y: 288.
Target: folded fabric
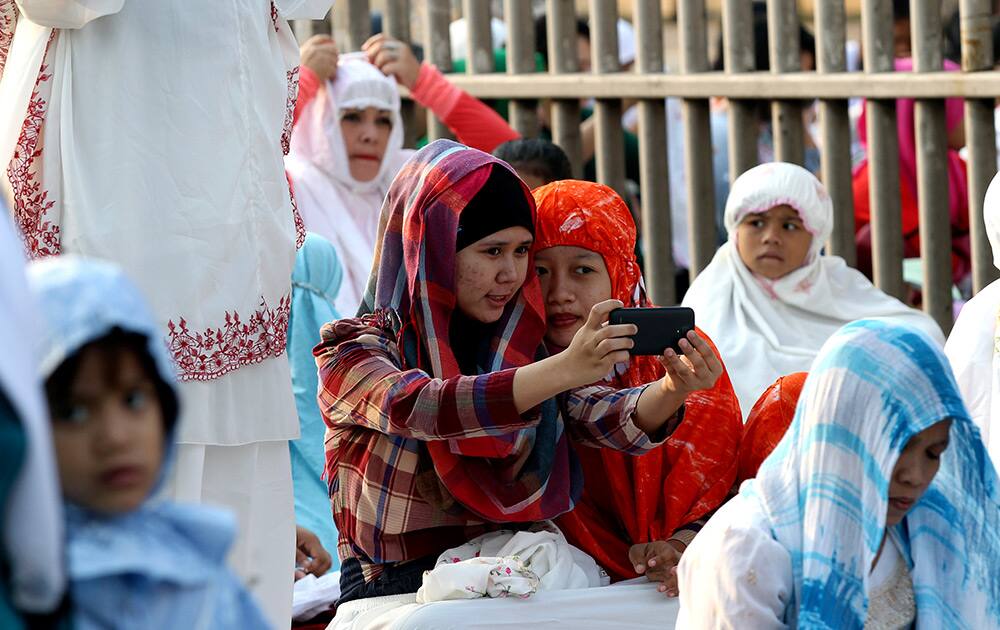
x: 314, y: 595
x: 510, y: 564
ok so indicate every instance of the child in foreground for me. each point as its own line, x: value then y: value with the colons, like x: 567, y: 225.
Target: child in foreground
x: 878, y: 508
x: 135, y: 561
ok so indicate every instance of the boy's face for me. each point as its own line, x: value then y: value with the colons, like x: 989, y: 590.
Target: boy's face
x: 109, y: 437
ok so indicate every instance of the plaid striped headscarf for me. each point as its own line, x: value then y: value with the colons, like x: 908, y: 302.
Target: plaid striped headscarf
x: 412, y: 287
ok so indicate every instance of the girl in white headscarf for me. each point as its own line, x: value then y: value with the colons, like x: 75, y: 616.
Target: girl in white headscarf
x: 972, y: 346
x: 347, y: 143
x: 770, y: 298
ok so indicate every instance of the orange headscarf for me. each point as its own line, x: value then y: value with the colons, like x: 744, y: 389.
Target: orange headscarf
x: 768, y: 421
x: 626, y: 499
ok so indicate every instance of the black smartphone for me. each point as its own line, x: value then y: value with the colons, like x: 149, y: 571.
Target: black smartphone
x: 659, y: 328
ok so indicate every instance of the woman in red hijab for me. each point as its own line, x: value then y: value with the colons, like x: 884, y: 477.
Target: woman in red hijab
x: 637, y: 514
x: 767, y: 423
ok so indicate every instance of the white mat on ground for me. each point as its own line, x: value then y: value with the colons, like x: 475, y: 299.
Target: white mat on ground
x: 624, y: 606
x: 515, y: 578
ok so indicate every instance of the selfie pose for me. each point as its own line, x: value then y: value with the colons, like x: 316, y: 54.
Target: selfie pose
x: 878, y: 509
x: 637, y: 514
x: 445, y: 418
x: 770, y: 298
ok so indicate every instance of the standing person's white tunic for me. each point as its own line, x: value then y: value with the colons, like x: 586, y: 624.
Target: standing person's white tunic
x: 150, y: 133
x: 972, y: 345
x: 769, y: 328
x: 333, y: 204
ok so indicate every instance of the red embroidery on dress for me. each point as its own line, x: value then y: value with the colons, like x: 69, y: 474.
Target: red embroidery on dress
x: 215, y: 352
x: 300, y: 225
x: 31, y: 201
x: 8, y: 22
x: 292, y: 79
x: 274, y: 17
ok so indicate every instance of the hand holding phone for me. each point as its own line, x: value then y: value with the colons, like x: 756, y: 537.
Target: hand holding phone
x: 659, y: 328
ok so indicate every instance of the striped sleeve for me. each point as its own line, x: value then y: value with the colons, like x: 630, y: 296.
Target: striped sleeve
x: 604, y: 417
x: 361, y: 384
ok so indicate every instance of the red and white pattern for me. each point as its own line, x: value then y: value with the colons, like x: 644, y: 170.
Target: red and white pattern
x: 300, y: 225
x: 8, y: 22
x: 293, y: 93
x: 215, y: 352
x: 32, y: 203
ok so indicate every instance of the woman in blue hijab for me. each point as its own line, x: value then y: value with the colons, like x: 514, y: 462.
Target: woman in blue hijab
x: 315, y: 283
x: 879, y: 507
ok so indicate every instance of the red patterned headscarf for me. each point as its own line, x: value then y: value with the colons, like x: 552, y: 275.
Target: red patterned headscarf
x: 629, y: 500
x: 766, y: 425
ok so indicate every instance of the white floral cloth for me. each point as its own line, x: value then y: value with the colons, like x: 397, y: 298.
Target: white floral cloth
x: 510, y: 564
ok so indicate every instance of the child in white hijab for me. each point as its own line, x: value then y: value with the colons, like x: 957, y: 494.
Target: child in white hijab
x: 770, y: 298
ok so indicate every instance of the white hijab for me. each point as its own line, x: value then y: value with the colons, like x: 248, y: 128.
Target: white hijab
x: 768, y: 328
x: 972, y: 346
x: 32, y: 530
x: 332, y: 203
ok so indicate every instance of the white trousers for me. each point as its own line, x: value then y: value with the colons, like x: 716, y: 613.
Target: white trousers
x: 254, y: 481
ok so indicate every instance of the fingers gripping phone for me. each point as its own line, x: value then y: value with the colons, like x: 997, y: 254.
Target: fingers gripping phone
x: 659, y: 328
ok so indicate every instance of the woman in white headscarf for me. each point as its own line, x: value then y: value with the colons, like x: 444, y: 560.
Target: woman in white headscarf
x: 347, y: 143
x: 972, y: 346
x: 878, y: 509
x: 770, y: 298
x: 346, y: 148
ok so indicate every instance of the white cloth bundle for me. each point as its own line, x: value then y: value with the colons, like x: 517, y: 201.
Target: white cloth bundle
x: 510, y: 564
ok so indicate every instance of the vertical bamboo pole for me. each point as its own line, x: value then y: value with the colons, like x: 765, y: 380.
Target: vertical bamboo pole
x: 977, y: 56
x: 521, y: 60
x: 783, y: 51
x: 480, y: 38
x: 883, y: 153
x: 656, y: 229
x: 738, y: 55
x: 932, y: 164
x: 609, y: 141
x: 692, y: 27
x: 437, y: 17
x: 561, y: 27
x: 831, y: 56
x: 397, y: 25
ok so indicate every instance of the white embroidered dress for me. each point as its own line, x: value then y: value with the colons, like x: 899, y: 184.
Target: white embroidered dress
x: 150, y: 134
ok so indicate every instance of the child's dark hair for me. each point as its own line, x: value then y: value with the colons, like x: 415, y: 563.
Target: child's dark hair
x: 112, y: 346
x: 540, y: 158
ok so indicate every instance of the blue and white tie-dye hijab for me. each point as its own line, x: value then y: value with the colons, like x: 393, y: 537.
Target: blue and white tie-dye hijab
x: 825, y: 487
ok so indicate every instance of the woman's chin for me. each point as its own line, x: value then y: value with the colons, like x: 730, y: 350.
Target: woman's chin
x: 364, y: 173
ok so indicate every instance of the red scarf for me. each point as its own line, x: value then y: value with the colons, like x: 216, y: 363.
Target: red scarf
x: 626, y: 499
x: 768, y: 421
